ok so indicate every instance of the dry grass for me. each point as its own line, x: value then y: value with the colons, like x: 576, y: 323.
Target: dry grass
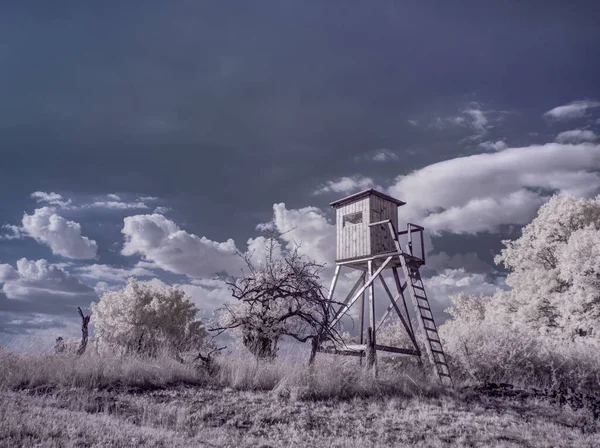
x: 94, y: 372
x: 52, y: 401
x: 199, y: 417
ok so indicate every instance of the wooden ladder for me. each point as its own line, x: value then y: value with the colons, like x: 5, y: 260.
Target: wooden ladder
x: 415, y: 285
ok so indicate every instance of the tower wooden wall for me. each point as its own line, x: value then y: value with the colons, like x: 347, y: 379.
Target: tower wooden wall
x: 355, y: 238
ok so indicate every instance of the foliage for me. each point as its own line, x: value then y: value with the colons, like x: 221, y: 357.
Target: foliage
x: 148, y: 317
x: 545, y: 329
x: 554, y: 271
x: 279, y: 295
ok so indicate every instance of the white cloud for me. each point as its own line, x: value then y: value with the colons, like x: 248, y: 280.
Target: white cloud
x: 309, y: 228
x: 116, y: 205
x: 453, y: 281
x: 576, y: 136
x: 384, y: 155
x: 50, y: 198
x: 41, y: 287
x: 7, y: 273
x: 347, y: 185
x: 413, y: 122
x: 161, y: 210
x: 498, y: 145
x: 62, y: 236
x: 473, y: 117
x: 110, y: 273
x: 478, y: 122
x: 162, y: 242
x: 575, y: 109
x: 208, y: 295
x: 470, y: 262
x: 480, y: 192
x: 15, y: 233
x: 149, y: 198
x: 113, y: 197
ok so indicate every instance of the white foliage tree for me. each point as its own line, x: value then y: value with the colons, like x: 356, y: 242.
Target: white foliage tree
x: 544, y: 325
x: 554, y: 271
x: 147, y: 318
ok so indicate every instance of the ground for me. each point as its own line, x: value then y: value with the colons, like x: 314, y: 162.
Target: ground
x: 204, y: 417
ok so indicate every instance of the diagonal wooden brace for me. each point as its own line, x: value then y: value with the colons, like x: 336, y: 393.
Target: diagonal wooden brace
x: 347, y: 306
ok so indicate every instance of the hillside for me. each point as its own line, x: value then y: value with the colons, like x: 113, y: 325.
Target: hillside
x: 186, y: 416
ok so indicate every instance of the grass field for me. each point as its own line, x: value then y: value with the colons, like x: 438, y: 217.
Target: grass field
x: 107, y: 402
x: 194, y: 416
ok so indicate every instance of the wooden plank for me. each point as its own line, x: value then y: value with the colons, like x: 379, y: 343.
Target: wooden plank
x: 333, y: 351
x: 401, y: 351
x: 338, y: 268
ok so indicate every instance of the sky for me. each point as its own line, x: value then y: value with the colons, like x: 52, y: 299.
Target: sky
x: 150, y: 139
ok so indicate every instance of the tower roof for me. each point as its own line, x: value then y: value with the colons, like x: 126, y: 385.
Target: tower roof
x: 364, y: 194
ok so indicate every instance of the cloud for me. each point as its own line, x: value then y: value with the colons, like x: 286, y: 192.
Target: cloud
x: 41, y: 287
x: 474, y: 117
x: 161, y: 210
x: 470, y: 262
x: 483, y: 191
x: 575, y: 109
x: 346, y: 185
x: 162, y: 242
x: 493, y: 146
x: 7, y: 273
x: 384, y: 155
x: 116, y: 205
x: 15, y: 232
x: 63, y: 237
x: 110, y: 273
x: 50, y: 198
x: 453, y: 281
x: 22, y: 323
x: 208, y: 295
x: 308, y: 227
x: 576, y: 136
x: 114, y: 202
x: 478, y: 121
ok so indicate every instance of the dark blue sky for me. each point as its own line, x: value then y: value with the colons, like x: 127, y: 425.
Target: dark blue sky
x: 222, y: 109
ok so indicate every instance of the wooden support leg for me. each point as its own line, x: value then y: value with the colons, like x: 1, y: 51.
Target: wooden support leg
x: 370, y: 349
x: 373, y: 361
x: 362, y: 323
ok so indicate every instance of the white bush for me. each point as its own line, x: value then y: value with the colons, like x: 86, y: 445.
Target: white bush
x: 147, y: 318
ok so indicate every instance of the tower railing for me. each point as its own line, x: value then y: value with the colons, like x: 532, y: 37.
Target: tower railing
x: 410, y: 230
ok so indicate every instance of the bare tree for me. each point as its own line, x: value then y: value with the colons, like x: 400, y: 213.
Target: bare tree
x: 85, y: 320
x: 280, y: 295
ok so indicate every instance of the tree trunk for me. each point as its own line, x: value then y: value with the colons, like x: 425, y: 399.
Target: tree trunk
x: 313, y: 350
x: 85, y: 320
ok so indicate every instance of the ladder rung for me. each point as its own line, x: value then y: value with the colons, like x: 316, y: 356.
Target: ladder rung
x: 426, y: 308
x: 437, y: 351
x: 420, y: 297
x: 428, y: 318
x: 419, y: 287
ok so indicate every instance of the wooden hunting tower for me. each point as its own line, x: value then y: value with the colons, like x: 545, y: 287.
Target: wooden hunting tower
x: 367, y: 240
x: 355, y: 236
